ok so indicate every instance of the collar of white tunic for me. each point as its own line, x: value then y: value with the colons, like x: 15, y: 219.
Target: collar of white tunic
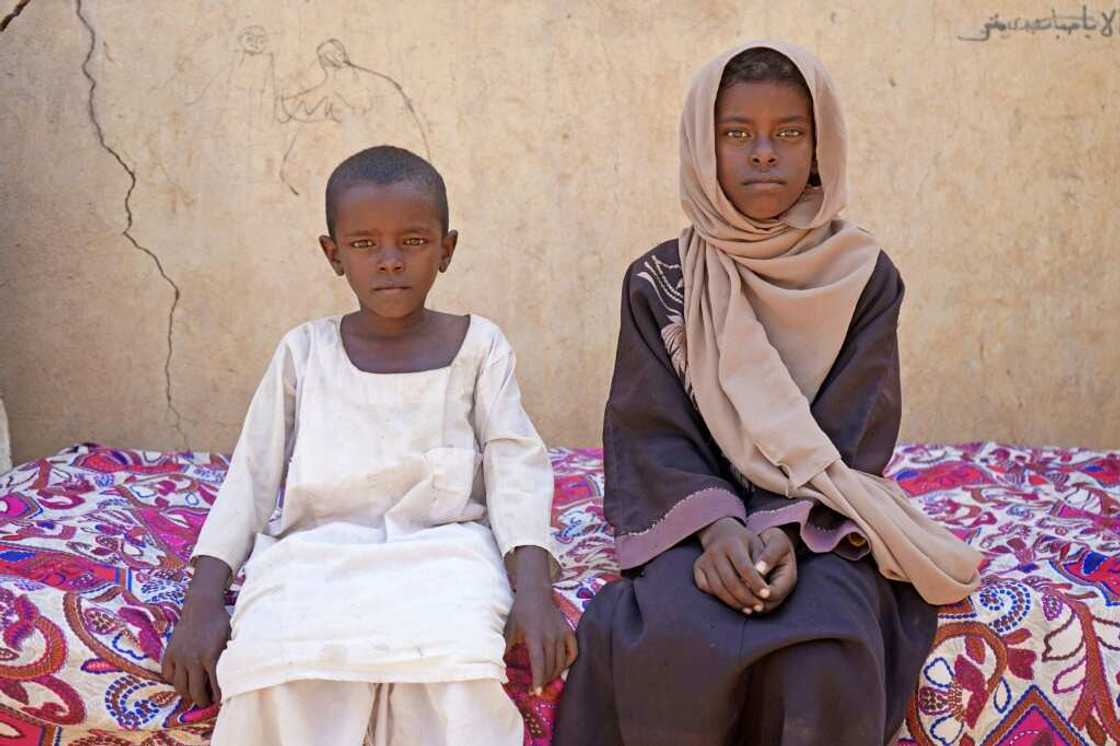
x: 336, y: 324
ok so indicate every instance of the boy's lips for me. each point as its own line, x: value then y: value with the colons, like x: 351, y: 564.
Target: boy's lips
x: 391, y: 288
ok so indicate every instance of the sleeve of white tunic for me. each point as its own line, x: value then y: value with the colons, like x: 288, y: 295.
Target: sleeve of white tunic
x: 247, y: 497
x: 515, y: 462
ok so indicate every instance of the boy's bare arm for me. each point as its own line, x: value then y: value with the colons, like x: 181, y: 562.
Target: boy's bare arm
x: 191, y: 658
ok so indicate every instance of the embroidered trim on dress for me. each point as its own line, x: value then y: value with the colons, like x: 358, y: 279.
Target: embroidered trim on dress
x: 817, y: 538
x: 666, y: 516
x: 670, y: 294
x: 699, y: 509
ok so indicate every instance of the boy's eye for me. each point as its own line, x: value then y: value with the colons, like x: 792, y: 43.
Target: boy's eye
x: 361, y: 243
x: 414, y: 241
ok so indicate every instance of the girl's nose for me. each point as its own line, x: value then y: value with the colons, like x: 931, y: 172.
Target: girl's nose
x: 763, y: 155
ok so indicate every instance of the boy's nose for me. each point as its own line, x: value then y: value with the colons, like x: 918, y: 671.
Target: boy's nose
x: 390, y: 260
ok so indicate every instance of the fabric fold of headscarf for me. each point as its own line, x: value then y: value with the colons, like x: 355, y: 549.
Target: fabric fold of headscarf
x: 767, y: 307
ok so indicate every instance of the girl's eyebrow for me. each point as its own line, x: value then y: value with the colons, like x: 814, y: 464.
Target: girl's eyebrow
x: 735, y: 119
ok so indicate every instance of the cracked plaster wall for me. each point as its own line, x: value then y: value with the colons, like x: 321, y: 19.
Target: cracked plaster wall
x: 163, y: 167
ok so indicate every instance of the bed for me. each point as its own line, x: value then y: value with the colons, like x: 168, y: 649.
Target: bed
x: 93, y: 544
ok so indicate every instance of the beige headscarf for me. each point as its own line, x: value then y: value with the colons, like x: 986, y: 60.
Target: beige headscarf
x: 767, y: 307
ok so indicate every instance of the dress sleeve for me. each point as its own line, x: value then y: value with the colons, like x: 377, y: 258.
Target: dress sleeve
x: 665, y: 479
x: 859, y: 406
x: 515, y: 463
x: 248, y: 495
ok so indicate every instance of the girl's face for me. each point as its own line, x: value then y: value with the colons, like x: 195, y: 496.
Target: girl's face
x: 390, y: 244
x: 764, y: 146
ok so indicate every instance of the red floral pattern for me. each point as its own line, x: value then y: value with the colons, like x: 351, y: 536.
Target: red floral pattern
x: 93, y: 544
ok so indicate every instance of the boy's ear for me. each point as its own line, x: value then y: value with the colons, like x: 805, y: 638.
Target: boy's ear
x: 450, y: 241
x: 330, y: 251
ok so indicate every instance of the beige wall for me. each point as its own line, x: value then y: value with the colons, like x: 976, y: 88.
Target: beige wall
x: 987, y: 169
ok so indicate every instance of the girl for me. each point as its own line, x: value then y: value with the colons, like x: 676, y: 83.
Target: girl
x: 776, y: 590
x: 409, y: 471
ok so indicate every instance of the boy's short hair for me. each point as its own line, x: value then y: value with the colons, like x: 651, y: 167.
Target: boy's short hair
x: 763, y: 65
x: 386, y: 164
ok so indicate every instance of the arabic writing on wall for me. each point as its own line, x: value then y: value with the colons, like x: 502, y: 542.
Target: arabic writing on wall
x: 1088, y: 24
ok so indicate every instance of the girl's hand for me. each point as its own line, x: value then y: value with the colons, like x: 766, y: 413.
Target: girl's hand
x: 736, y: 562
x: 191, y: 658
x: 778, y: 564
x: 550, y: 642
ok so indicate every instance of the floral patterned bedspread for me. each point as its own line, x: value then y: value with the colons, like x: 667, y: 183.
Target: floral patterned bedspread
x: 93, y: 543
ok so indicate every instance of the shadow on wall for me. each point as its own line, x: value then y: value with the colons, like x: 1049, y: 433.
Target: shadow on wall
x: 5, y: 440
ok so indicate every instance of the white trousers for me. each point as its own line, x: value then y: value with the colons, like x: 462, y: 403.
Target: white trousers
x: 343, y: 713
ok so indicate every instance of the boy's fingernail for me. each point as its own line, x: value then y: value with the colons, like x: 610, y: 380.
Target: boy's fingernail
x: 747, y: 612
x: 765, y: 593
x: 537, y: 691
x: 761, y: 567
x: 758, y: 607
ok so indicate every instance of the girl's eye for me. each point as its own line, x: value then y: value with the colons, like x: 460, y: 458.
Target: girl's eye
x: 790, y: 132
x: 362, y: 243
x: 414, y: 241
x: 738, y: 134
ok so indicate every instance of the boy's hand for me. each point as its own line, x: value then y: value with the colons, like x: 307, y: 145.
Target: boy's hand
x: 550, y: 642
x: 736, y: 562
x: 191, y: 658
x: 535, y: 620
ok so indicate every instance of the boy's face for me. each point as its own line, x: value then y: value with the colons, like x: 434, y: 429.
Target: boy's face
x: 389, y: 242
x: 764, y: 146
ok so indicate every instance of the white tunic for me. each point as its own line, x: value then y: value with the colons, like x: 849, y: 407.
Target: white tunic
x: 402, y: 492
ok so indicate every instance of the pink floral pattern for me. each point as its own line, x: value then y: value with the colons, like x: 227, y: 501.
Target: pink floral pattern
x: 93, y: 544
x: 1034, y: 655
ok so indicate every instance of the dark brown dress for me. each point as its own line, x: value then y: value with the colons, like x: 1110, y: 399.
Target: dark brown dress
x: 663, y: 663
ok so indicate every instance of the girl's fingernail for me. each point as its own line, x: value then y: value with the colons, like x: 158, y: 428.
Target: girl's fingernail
x: 758, y: 607
x: 761, y: 567
x: 765, y: 593
x: 537, y: 691
x: 747, y: 611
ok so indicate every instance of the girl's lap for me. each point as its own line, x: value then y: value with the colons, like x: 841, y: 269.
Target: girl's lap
x: 680, y: 664
x: 661, y: 609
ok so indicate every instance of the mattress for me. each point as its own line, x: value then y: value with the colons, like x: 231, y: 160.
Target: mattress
x: 94, y: 543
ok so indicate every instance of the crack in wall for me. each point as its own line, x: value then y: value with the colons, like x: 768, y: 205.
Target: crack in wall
x: 15, y: 12
x: 127, y: 232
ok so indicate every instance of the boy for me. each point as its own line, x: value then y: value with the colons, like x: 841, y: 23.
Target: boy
x: 411, y: 477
